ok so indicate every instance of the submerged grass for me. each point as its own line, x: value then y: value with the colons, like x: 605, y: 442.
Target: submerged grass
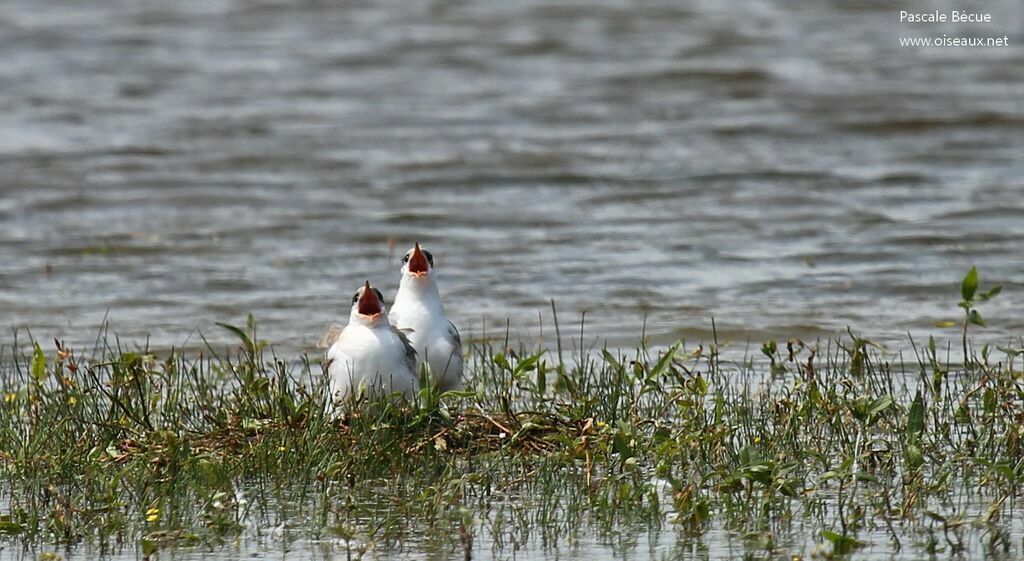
x: 823, y: 448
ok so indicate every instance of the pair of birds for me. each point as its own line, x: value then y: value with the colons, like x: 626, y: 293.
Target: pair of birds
x: 379, y: 357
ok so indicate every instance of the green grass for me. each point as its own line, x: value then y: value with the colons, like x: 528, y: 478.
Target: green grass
x: 823, y: 448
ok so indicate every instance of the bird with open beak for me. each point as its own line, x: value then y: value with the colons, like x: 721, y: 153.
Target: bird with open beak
x: 419, y: 313
x: 369, y: 355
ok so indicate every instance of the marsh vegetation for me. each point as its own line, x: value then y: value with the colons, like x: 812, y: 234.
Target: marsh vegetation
x: 831, y: 448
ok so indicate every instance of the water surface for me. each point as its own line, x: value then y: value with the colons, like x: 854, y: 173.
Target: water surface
x: 782, y: 166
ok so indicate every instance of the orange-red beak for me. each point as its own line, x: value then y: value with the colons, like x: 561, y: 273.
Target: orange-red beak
x: 369, y: 304
x: 418, y: 264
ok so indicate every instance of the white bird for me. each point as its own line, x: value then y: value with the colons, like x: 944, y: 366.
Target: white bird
x: 418, y: 312
x: 369, y: 355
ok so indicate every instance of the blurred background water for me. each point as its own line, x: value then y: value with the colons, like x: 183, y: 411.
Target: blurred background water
x: 783, y: 166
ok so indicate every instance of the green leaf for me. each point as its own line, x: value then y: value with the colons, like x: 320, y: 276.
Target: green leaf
x: 990, y: 293
x: 859, y: 408
x: 610, y: 359
x: 841, y: 544
x: 970, y: 284
x: 962, y: 414
x: 991, y: 401
x: 38, y: 366
x: 246, y: 341
x: 527, y: 364
x: 260, y: 385
x: 761, y: 473
x: 914, y: 456
x: 661, y: 435
x: 915, y: 420
x: 1005, y: 470
x: 719, y: 407
x: 788, y: 488
x: 620, y: 443
x: 149, y: 547
x: 700, y: 386
x: 1011, y: 352
x: 287, y: 404
x: 10, y: 528
x: 500, y: 360
x: 866, y: 476
x: 976, y: 318
x: 935, y: 516
x: 879, y: 405
x: 334, y: 469
x: 663, y: 363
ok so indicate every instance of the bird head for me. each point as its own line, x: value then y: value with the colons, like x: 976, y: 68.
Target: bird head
x: 368, y: 305
x: 417, y: 263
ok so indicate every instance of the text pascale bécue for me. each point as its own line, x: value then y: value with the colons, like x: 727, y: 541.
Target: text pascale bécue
x: 939, y: 16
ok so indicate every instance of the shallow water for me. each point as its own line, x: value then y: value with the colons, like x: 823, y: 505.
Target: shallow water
x: 716, y: 542
x: 785, y: 168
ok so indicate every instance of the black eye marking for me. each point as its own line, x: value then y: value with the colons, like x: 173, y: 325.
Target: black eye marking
x: 430, y: 257
x: 355, y: 298
x: 379, y: 295
x: 406, y: 258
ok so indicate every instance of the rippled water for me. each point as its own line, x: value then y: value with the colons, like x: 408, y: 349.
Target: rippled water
x: 780, y: 165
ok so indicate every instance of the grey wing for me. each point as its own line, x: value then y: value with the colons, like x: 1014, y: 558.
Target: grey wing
x: 453, y: 332
x: 333, y: 332
x: 410, y: 351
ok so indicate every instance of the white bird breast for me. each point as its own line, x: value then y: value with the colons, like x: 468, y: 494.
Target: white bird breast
x: 374, y: 358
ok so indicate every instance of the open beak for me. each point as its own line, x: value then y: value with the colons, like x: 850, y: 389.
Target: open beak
x: 418, y: 265
x: 369, y: 305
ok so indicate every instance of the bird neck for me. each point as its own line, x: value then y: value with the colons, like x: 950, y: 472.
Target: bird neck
x: 356, y: 319
x: 419, y: 292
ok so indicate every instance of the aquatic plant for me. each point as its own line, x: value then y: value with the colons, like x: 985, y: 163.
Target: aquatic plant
x: 838, y: 440
x: 971, y: 298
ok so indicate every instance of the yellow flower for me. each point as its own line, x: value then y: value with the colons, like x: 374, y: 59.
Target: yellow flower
x: 10, y: 397
x: 72, y: 400
x: 153, y: 514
